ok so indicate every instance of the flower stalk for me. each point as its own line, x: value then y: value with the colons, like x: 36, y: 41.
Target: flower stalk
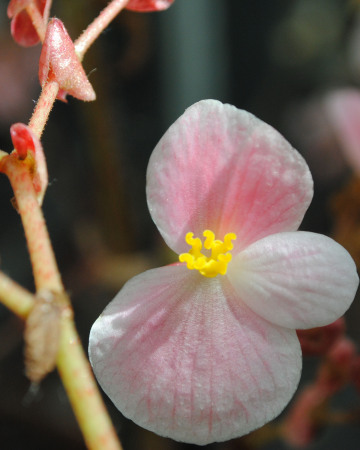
x: 92, y: 32
x: 82, y: 390
x: 37, y: 19
x: 43, y: 262
x: 21, y: 167
x: 15, y: 297
x: 43, y: 107
x: 72, y: 363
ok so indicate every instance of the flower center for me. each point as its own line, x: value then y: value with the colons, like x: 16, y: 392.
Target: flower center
x: 212, y: 265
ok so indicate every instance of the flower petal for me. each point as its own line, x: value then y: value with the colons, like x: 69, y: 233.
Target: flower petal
x: 148, y: 5
x: 22, y: 29
x: 295, y: 280
x: 223, y: 169
x: 343, y: 111
x: 180, y: 355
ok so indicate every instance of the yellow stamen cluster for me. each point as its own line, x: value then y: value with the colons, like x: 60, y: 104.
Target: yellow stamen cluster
x: 212, y: 265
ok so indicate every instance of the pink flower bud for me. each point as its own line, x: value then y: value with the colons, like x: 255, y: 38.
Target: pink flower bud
x: 26, y: 142
x: 22, y: 28
x: 22, y: 139
x: 148, y: 5
x: 58, y: 59
x: 342, y: 110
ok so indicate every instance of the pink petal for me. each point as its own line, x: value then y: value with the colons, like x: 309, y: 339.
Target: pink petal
x: 23, y: 31
x: 295, y: 280
x: 343, y: 111
x: 24, y: 141
x: 222, y: 169
x: 148, y: 5
x: 181, y: 355
x: 59, y: 58
x: 22, y: 28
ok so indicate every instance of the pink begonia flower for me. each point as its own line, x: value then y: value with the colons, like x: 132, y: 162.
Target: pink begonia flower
x: 148, y: 5
x: 58, y: 59
x: 343, y: 113
x: 26, y: 142
x: 22, y: 28
x: 211, y: 353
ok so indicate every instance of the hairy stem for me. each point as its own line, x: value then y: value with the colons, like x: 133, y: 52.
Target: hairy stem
x: 92, y: 32
x: 72, y: 363
x: 43, y: 107
x: 43, y: 262
x: 37, y: 19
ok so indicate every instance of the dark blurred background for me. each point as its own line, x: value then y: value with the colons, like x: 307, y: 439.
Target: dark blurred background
x: 276, y: 59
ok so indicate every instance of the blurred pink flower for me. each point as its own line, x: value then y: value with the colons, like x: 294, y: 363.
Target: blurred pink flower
x: 307, y: 123
x: 17, y: 81
x: 58, y: 59
x: 22, y: 28
x: 211, y: 353
x: 343, y: 112
x: 148, y: 5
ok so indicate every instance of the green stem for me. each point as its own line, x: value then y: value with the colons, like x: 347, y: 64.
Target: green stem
x: 72, y: 363
x: 14, y: 297
x: 83, y: 393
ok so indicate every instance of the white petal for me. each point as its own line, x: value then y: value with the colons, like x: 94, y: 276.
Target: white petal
x: 295, y: 279
x: 180, y: 355
x: 223, y: 169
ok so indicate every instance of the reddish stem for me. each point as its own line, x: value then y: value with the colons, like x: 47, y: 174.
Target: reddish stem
x: 72, y: 364
x: 45, y: 269
x: 43, y: 107
x: 92, y: 32
x: 37, y: 20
